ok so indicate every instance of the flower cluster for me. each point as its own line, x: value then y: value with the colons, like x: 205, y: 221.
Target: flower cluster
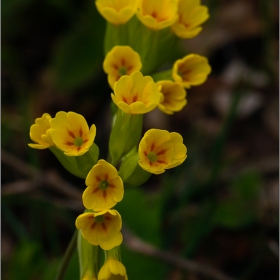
x: 131, y: 63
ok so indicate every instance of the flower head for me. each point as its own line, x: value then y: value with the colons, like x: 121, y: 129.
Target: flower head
x: 40, y: 133
x: 117, y: 11
x: 121, y: 60
x: 191, y: 15
x: 157, y: 14
x: 104, y: 187
x: 191, y: 70
x: 160, y: 150
x: 136, y: 94
x: 112, y: 269
x: 173, y: 97
x: 71, y: 134
x: 88, y: 276
x: 101, y: 228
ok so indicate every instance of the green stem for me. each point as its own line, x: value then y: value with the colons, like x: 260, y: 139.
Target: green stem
x: 67, y: 257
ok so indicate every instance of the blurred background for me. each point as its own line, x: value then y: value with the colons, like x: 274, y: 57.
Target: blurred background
x: 219, y: 209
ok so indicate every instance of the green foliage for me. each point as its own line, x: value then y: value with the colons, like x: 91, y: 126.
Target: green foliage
x: 242, y: 206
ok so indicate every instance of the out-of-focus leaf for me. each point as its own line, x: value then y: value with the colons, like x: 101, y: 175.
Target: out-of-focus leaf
x: 79, y: 55
x: 142, y: 216
x: 242, y: 206
x: 141, y: 267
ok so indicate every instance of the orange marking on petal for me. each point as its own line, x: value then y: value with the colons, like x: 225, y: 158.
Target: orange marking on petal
x: 112, y: 186
x: 93, y: 225
x: 115, y: 67
x: 78, y: 148
x: 134, y: 98
x: 161, y: 161
x: 124, y: 99
x: 106, y: 177
x: 145, y: 153
x: 81, y: 132
x: 97, y: 178
x: 161, y: 152
x: 104, y: 194
x: 71, y: 134
x: 152, y: 146
x: 122, y: 62
x: 85, y: 141
x: 108, y: 218
x: 104, y: 227
x: 69, y: 143
x: 95, y: 190
x: 128, y: 68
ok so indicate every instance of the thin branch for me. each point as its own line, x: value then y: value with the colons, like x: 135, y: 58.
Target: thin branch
x: 50, y: 178
x: 137, y: 245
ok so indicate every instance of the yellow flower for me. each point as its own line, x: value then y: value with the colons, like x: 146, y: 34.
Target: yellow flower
x: 173, y: 97
x: 136, y: 94
x: 88, y: 276
x: 71, y: 134
x: 192, y: 70
x: 117, y: 11
x: 101, y: 228
x: 160, y: 150
x: 40, y: 133
x: 157, y: 14
x: 121, y: 60
x: 191, y: 15
x: 104, y: 187
x: 112, y: 270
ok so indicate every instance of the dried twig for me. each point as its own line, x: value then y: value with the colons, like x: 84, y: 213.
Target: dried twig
x: 137, y: 245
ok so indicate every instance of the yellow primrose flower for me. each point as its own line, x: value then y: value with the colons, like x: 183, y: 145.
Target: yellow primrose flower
x: 157, y: 14
x: 101, y: 228
x: 112, y: 269
x: 191, y: 15
x: 88, y: 276
x: 117, y: 11
x: 160, y: 150
x: 71, y: 134
x: 104, y: 187
x: 136, y: 94
x: 40, y: 133
x: 173, y: 97
x: 191, y: 70
x: 121, y: 60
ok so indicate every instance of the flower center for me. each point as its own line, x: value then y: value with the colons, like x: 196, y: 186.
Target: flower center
x: 103, y: 185
x: 152, y: 156
x: 78, y: 142
x: 99, y: 219
x: 122, y: 71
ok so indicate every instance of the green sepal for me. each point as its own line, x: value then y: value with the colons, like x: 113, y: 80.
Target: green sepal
x: 78, y: 166
x: 159, y: 41
x: 125, y: 135
x: 163, y: 75
x: 69, y: 163
x: 132, y: 173
x: 88, y: 257
x: 86, y: 161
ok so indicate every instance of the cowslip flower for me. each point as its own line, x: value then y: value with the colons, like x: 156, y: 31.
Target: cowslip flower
x: 191, y: 70
x: 115, y: 11
x: 112, y: 269
x: 121, y: 60
x: 190, y: 16
x: 173, y: 98
x: 71, y: 134
x: 101, y: 228
x: 88, y: 276
x: 40, y: 133
x: 157, y: 14
x: 104, y: 187
x: 136, y: 94
x: 160, y: 150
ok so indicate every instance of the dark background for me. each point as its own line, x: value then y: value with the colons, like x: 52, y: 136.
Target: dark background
x: 219, y: 208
